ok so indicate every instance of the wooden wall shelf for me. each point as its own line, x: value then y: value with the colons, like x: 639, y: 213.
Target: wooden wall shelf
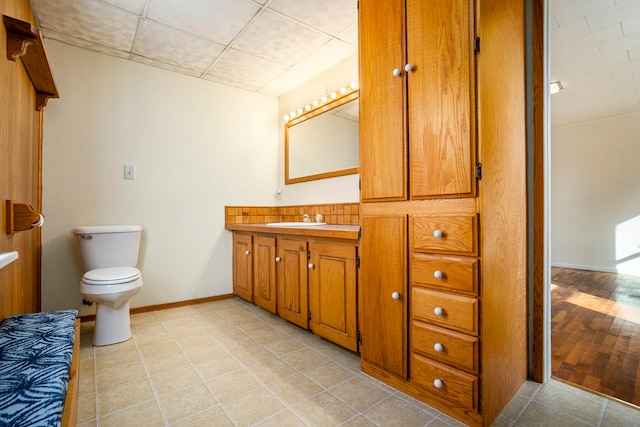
x: 24, y: 41
x: 21, y: 217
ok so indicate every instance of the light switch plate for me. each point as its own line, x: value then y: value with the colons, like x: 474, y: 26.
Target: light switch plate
x: 129, y: 172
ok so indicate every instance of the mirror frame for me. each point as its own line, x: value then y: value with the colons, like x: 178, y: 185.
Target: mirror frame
x: 341, y: 100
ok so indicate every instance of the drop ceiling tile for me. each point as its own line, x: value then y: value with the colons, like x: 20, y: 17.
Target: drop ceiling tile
x: 579, y: 59
x: 327, y: 56
x: 285, y: 82
x: 248, y: 70
x: 329, y: 16
x: 350, y: 35
x: 165, y: 66
x: 135, y: 6
x: 578, y: 9
x: 625, y: 68
x: 620, y: 46
x: 95, y: 47
x: 217, y: 20
x: 613, y: 15
x: 88, y: 20
x: 175, y: 47
x: 605, y: 63
x: 279, y: 39
x: 592, y: 40
x: 561, y: 51
x: 569, y: 32
x: 632, y: 26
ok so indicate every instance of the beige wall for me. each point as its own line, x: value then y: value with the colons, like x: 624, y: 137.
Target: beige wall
x: 595, y: 195
x: 197, y: 146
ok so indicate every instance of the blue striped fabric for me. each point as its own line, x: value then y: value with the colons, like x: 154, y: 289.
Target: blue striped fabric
x: 35, y: 358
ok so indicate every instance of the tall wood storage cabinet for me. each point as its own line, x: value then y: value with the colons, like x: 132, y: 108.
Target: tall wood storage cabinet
x: 443, y: 201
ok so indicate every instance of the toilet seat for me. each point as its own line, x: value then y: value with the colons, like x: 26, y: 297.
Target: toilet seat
x: 111, y: 276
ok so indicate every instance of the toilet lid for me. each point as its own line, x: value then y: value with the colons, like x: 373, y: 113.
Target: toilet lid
x: 111, y: 276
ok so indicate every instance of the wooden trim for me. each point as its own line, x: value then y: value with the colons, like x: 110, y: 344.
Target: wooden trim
x: 536, y: 346
x: 20, y: 217
x: 70, y: 410
x: 24, y: 42
x: 146, y: 309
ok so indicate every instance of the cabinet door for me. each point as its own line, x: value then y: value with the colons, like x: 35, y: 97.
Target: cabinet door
x: 383, y: 141
x: 264, y: 272
x: 440, y: 40
x: 242, y: 266
x: 383, y: 293
x: 293, y: 302
x: 332, y: 292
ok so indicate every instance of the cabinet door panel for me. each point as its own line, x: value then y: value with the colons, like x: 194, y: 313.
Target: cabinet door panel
x: 242, y: 266
x: 383, y: 143
x: 383, y: 319
x: 264, y: 272
x: 441, y: 98
x: 292, y: 281
x: 332, y: 292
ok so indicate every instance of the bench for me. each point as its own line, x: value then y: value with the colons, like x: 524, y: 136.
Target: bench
x: 39, y: 369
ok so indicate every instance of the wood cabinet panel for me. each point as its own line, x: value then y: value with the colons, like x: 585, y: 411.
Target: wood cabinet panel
x: 243, y: 266
x: 450, y: 234
x: 455, y: 311
x: 454, y: 274
x: 441, y: 98
x: 332, y: 293
x: 456, y: 349
x: 293, y: 300
x: 454, y: 385
x: 264, y: 272
x: 383, y: 271
x: 383, y: 147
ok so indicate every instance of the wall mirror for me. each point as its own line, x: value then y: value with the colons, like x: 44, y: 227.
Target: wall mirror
x: 323, y: 141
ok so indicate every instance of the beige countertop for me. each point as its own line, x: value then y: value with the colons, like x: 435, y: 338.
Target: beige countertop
x: 330, y: 230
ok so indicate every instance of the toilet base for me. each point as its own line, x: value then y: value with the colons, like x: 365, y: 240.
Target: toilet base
x: 112, y: 324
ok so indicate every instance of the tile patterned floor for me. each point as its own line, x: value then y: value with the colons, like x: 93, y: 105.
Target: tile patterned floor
x: 230, y: 363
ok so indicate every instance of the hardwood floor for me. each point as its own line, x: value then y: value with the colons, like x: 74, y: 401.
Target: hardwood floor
x: 595, y: 335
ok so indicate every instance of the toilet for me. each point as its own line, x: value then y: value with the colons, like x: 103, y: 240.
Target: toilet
x: 110, y: 255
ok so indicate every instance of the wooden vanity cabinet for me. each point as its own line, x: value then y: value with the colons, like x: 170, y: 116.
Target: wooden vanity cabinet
x: 243, y: 266
x: 264, y: 272
x: 332, y: 292
x: 293, y: 302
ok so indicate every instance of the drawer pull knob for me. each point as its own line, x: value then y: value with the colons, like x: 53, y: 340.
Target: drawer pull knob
x: 311, y: 265
x: 437, y: 274
x: 438, y: 383
x: 397, y: 72
x: 247, y: 252
x: 437, y: 234
x: 438, y: 311
x: 395, y: 295
x: 408, y: 68
x: 278, y: 259
x: 438, y: 347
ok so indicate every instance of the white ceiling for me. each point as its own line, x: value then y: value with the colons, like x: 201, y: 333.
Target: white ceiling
x: 272, y: 46
x: 595, y: 53
x: 266, y: 46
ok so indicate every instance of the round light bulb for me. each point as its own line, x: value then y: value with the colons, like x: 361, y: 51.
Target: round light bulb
x: 286, y: 117
x: 343, y: 90
x: 353, y: 85
x: 334, y: 95
x: 307, y: 107
x: 300, y: 111
x: 292, y: 114
x: 315, y: 104
x: 325, y: 99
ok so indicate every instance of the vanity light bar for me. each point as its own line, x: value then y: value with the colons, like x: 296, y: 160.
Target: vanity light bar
x: 317, y: 103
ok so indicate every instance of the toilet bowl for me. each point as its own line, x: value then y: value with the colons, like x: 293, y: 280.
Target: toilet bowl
x: 111, y: 289
x: 110, y: 255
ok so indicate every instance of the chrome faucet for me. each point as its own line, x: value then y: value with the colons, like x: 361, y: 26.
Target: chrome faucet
x: 306, y: 218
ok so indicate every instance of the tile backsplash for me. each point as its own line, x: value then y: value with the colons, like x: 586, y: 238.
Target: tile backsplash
x: 340, y: 213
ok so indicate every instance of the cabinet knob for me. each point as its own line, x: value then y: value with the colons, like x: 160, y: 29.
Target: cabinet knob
x: 437, y: 234
x: 278, y: 259
x: 311, y: 265
x: 437, y: 274
x: 395, y: 295
x: 438, y: 383
x: 408, y: 68
x: 438, y: 347
x: 438, y: 311
x: 247, y: 252
x: 397, y: 72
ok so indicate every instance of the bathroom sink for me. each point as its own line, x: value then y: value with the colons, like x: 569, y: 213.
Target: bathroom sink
x: 295, y: 224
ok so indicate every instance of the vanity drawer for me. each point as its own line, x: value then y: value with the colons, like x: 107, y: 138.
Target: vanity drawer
x: 448, y: 383
x: 452, y: 234
x: 452, y: 348
x: 456, y: 274
x: 451, y: 311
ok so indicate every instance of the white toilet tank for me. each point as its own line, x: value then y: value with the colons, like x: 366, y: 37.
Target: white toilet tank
x: 108, y: 245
